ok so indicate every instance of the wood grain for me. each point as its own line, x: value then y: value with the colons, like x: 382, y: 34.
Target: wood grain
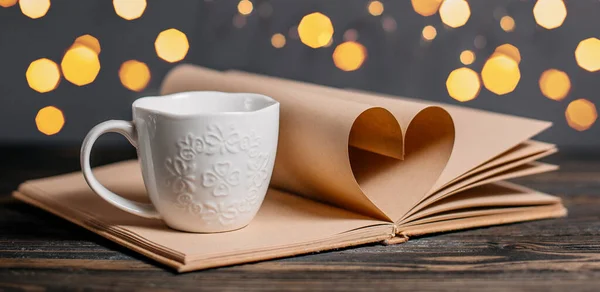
x: 39, y: 251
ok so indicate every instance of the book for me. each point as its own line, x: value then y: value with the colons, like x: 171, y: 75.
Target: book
x: 352, y: 168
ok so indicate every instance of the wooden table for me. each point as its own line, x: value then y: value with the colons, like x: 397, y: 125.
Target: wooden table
x: 38, y: 250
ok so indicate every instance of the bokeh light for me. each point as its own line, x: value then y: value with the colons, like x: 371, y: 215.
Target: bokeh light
x: 463, y: 84
x: 171, y: 45
x: 467, y: 57
x: 49, y: 120
x: 500, y: 74
x: 315, y: 30
x: 549, y: 14
x: 80, y: 65
x: 429, y: 32
x: 375, y: 8
x: 426, y: 7
x: 510, y: 51
x: 245, y: 7
x: 134, y: 75
x: 278, y: 40
x: 581, y: 114
x: 351, y: 35
x: 129, y: 9
x: 43, y: 75
x: 388, y: 23
x: 455, y: 13
x: 555, y: 84
x: 34, y: 8
x: 90, y: 42
x: 239, y: 20
x: 587, y: 54
x: 507, y: 23
x: 8, y: 3
x: 349, y: 56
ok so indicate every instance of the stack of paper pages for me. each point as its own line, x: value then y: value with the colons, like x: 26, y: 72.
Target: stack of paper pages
x: 351, y: 168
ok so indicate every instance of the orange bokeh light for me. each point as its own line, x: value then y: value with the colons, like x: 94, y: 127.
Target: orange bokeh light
x: 426, y: 7
x: 463, y: 84
x: 507, y: 23
x: 8, y: 3
x: 429, y: 33
x: 129, y: 9
x: 80, y: 65
x: 245, y: 7
x: 349, y: 56
x: 375, y: 8
x: 90, y: 42
x: 587, y: 54
x: 278, y: 40
x: 49, y: 120
x: 43, y: 75
x: 555, y: 84
x: 467, y: 57
x: 500, y: 74
x: 134, y: 75
x: 171, y: 45
x: 315, y: 30
x: 34, y: 8
x: 510, y: 51
x: 549, y: 14
x: 581, y: 114
x: 455, y: 13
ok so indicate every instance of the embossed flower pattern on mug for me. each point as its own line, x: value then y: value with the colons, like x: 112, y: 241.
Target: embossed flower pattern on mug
x: 182, y: 175
x: 222, y: 177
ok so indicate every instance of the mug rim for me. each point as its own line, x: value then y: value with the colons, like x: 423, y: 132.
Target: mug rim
x: 191, y: 94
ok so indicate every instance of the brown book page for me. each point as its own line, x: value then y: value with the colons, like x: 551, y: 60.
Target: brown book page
x: 527, y: 169
x: 523, y: 150
x: 527, y: 214
x: 401, y: 148
x: 286, y: 224
x: 499, y: 194
x: 479, y: 137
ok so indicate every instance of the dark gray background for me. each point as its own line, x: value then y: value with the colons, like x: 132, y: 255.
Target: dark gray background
x: 399, y: 63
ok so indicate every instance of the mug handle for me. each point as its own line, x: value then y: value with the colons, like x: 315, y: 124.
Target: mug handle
x: 126, y: 129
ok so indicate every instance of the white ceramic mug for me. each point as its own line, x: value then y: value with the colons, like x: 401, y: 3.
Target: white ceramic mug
x: 206, y: 157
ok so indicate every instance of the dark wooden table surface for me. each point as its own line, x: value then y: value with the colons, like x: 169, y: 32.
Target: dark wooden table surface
x: 40, y: 251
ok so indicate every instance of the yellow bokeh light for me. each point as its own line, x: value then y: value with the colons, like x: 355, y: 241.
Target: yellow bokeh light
x: 80, y: 65
x: 90, y: 42
x: 49, y: 120
x: 455, y: 13
x: 581, y: 114
x: 587, y: 54
x: 507, y: 23
x: 549, y: 14
x: 129, y: 9
x: 429, y: 32
x: 500, y: 74
x: 278, y: 40
x: 555, y: 84
x: 34, y: 8
x: 349, y: 56
x: 426, y: 7
x: 510, y: 51
x: 463, y: 84
x: 8, y: 3
x: 245, y: 7
x: 43, y: 75
x: 315, y: 30
x: 375, y: 8
x: 171, y: 45
x: 134, y: 75
x: 467, y: 57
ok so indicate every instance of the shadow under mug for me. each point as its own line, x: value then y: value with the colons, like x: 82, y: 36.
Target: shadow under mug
x: 206, y: 157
